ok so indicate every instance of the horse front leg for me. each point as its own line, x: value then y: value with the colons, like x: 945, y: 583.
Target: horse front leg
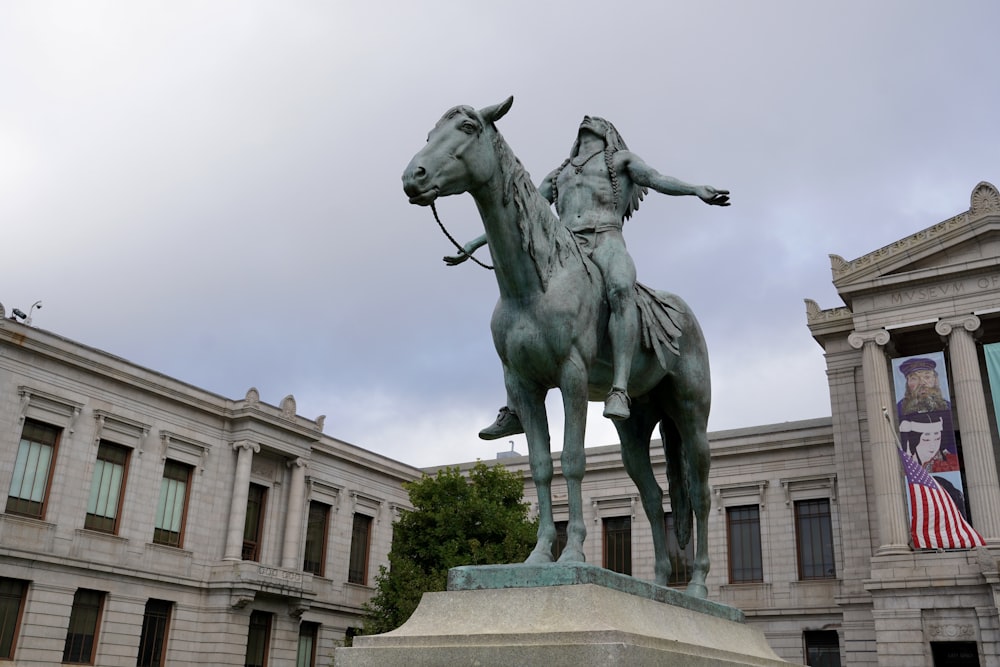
x: 530, y: 406
x: 635, y: 433
x: 574, y: 460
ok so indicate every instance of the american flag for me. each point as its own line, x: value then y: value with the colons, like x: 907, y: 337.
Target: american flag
x: 935, y: 522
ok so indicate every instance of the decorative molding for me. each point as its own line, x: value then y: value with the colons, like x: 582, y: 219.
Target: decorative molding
x: 815, y: 314
x: 857, y: 339
x: 606, y: 505
x: 807, y: 483
x: 945, y: 326
x: 288, y: 408
x: 726, y: 493
x: 984, y: 200
x: 253, y: 397
x: 371, y: 503
x: 324, y: 492
x: 128, y: 429
x: 184, y: 449
x: 56, y: 405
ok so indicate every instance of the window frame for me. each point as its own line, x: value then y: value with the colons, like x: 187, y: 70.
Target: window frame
x: 43, y: 504
x: 316, y: 542
x: 617, y: 544
x: 5, y: 624
x: 268, y: 621
x: 313, y: 635
x: 159, y: 531
x: 823, y: 524
x: 251, y: 550
x: 72, y: 653
x: 755, y: 548
x: 357, y: 572
x: 93, y: 523
x: 821, y: 642
x: 156, y: 658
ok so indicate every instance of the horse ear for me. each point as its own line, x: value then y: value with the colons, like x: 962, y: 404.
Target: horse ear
x: 497, y: 111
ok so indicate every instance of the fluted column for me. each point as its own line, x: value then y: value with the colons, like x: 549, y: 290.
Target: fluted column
x: 982, y: 486
x: 238, y: 508
x: 889, y: 503
x: 293, y: 521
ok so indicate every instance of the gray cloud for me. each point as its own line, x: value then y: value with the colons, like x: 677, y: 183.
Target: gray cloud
x: 213, y: 191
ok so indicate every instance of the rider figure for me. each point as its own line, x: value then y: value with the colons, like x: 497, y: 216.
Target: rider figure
x: 594, y: 191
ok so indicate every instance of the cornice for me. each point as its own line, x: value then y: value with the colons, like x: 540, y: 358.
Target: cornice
x: 984, y: 201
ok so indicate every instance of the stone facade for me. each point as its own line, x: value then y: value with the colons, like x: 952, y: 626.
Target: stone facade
x: 209, y: 577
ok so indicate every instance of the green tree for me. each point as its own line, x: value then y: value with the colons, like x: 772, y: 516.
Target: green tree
x: 456, y: 520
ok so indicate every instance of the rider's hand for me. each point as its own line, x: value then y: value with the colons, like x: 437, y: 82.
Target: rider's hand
x: 455, y: 260
x: 713, y: 196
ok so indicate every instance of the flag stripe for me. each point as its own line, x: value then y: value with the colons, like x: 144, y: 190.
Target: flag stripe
x: 935, y: 521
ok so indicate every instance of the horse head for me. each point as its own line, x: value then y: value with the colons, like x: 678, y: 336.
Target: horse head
x: 459, y: 155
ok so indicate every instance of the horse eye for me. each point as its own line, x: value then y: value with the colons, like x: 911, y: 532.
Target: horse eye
x: 469, y: 127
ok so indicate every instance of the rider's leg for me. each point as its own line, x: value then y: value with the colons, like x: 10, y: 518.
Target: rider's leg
x: 506, y: 424
x: 623, y: 325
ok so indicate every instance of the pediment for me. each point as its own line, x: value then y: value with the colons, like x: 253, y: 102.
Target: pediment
x: 967, y: 241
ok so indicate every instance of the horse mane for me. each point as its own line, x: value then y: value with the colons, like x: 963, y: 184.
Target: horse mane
x: 543, y: 236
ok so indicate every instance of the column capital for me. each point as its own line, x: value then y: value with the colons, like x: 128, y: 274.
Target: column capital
x: 246, y: 444
x: 297, y: 462
x: 946, y: 325
x: 857, y: 339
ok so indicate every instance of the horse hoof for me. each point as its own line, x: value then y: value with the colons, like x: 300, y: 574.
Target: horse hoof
x: 572, y: 556
x: 538, y: 558
x: 697, y: 591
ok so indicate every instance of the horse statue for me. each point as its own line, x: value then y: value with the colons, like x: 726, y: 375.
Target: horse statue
x: 550, y: 330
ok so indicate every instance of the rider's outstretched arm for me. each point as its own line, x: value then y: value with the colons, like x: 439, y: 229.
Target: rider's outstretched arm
x: 642, y: 174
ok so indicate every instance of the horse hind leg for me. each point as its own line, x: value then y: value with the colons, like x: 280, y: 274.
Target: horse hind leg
x: 688, y: 460
x: 635, y: 433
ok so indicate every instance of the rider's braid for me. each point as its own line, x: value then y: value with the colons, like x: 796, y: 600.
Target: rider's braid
x: 555, y: 189
x: 609, y: 156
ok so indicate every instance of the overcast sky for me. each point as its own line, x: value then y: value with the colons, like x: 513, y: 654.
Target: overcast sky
x: 212, y: 189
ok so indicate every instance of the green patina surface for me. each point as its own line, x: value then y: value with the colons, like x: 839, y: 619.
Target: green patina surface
x: 523, y: 575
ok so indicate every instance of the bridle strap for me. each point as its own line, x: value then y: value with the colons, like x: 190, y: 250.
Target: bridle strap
x: 452, y: 239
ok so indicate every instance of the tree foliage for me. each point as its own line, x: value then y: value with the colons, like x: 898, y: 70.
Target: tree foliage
x: 456, y: 520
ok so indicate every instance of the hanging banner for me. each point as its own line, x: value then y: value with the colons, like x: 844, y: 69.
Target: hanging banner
x: 993, y: 373
x: 929, y: 453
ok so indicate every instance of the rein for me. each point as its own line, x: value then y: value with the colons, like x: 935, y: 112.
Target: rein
x: 452, y: 239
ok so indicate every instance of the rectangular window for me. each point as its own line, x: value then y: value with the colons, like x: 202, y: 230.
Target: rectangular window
x: 618, y: 544
x: 84, y: 619
x: 308, y: 634
x: 822, y: 648
x: 743, y: 531
x: 681, y: 560
x: 314, y: 559
x: 253, y: 528
x: 361, y: 539
x: 107, y: 488
x: 171, y: 512
x: 153, y: 640
x: 814, y: 539
x: 258, y: 639
x: 12, y: 594
x: 29, y: 486
x: 561, y: 538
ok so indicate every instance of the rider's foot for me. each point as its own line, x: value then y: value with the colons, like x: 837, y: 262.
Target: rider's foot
x: 507, y: 423
x: 616, y: 405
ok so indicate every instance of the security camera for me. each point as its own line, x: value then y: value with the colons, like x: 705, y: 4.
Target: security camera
x: 19, y: 314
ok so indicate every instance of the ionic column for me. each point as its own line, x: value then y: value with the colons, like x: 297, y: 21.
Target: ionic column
x: 238, y: 508
x: 293, y: 521
x: 970, y: 403
x: 889, y: 501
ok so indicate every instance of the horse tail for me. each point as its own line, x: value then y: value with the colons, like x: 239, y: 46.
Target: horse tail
x: 677, y: 478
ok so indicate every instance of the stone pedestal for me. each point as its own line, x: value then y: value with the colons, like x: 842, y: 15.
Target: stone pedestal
x: 561, y: 615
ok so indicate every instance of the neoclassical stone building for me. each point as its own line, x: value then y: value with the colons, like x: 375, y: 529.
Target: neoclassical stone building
x: 149, y: 522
